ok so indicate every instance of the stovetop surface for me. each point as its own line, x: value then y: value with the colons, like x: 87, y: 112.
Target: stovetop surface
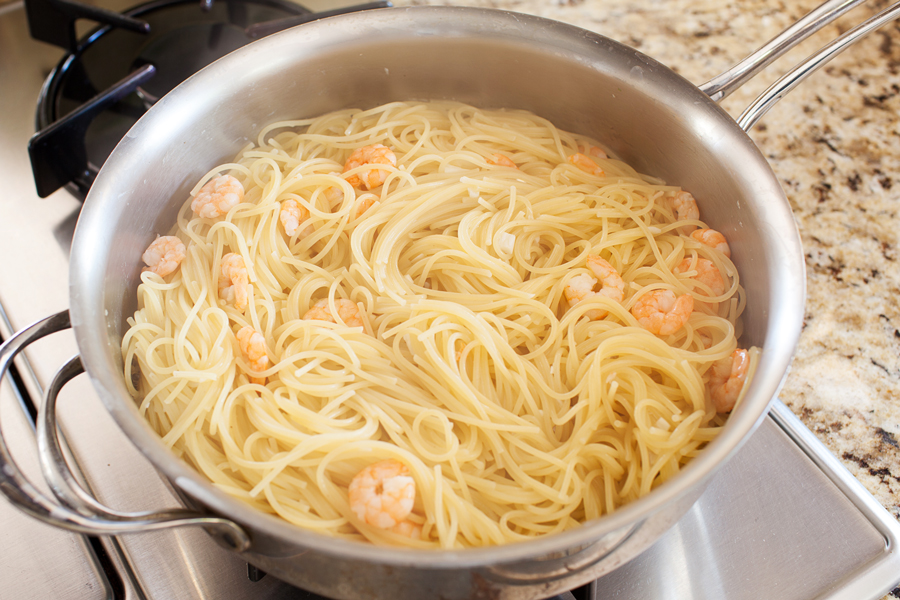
x: 783, y: 520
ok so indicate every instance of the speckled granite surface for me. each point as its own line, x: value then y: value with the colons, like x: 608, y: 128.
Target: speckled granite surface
x: 834, y: 143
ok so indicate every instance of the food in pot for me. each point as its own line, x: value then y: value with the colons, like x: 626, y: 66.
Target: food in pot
x: 164, y: 255
x: 383, y: 495
x: 431, y: 325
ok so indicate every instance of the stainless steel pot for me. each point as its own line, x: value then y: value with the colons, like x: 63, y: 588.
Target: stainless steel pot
x: 649, y: 116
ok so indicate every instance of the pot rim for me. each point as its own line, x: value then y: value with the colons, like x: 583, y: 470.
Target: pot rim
x: 96, y: 345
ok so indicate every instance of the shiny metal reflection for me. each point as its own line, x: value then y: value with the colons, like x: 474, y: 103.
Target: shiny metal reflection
x: 784, y: 521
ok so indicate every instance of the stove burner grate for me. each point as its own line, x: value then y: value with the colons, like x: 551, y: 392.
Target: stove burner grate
x: 114, y: 75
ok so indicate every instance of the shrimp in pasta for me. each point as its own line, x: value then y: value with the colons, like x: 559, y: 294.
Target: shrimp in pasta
x: 581, y: 286
x: 217, y: 197
x: 374, y: 155
x: 164, y: 255
x: 660, y: 312
x: 347, y: 311
x: 253, y: 347
x: 383, y: 494
x: 234, y: 281
x: 713, y: 239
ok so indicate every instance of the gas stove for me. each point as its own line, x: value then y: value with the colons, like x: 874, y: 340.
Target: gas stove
x: 783, y: 520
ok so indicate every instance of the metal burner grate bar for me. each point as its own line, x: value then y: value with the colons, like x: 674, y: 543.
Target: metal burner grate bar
x: 53, y: 21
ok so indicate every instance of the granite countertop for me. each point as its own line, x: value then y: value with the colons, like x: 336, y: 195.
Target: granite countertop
x: 834, y: 143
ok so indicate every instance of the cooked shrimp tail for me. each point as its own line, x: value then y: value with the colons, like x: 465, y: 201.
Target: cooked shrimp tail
x: 374, y: 155
x: 713, y: 239
x: 661, y: 313
x: 727, y: 380
x: 348, y: 311
x: 408, y: 529
x: 586, y: 164
x: 234, y: 281
x: 291, y: 215
x: 582, y: 286
x: 164, y: 255
x: 592, y: 150
x: 501, y: 160
x: 685, y: 207
x: 364, y: 204
x: 253, y: 347
x: 217, y: 197
x: 706, y: 273
x: 383, y: 494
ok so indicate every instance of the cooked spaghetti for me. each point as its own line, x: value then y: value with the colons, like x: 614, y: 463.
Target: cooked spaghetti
x: 470, y: 324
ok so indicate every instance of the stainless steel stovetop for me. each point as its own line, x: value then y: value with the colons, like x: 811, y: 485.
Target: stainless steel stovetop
x: 783, y: 521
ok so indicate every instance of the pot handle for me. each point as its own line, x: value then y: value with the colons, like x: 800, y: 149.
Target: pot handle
x: 75, y: 509
x: 724, y: 84
x: 795, y: 76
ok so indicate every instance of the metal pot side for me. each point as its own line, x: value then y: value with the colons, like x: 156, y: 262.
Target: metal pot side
x: 651, y: 117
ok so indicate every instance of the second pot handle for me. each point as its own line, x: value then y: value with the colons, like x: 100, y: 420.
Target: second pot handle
x: 723, y: 84
x: 792, y: 78
x: 74, y: 508
x: 720, y: 86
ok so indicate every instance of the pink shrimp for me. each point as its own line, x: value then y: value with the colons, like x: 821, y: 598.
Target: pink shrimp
x: 234, y: 281
x: 383, y: 494
x: 253, y: 347
x: 685, y: 206
x: 727, y: 378
x: 217, y: 197
x: 704, y: 337
x: 582, y: 286
x: 592, y: 150
x: 408, y: 529
x: 376, y: 154
x: 348, y: 312
x: 659, y: 312
x: 291, y: 215
x: 164, y: 255
x: 364, y: 204
x: 458, y: 348
x: 586, y: 164
x: 713, y: 239
x: 500, y: 160
x: 707, y: 274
